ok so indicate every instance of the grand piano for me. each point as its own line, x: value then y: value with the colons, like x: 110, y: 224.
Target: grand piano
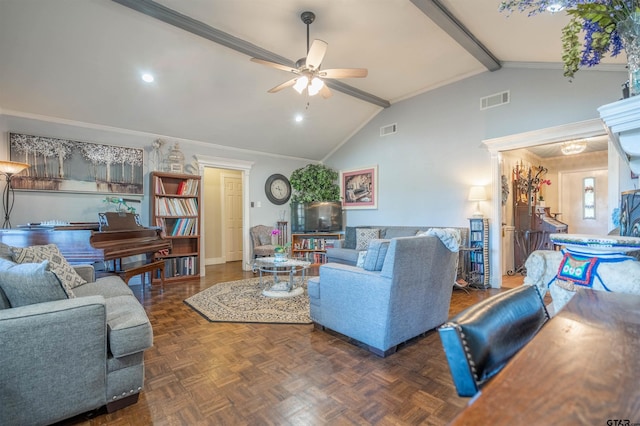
x: 113, y: 238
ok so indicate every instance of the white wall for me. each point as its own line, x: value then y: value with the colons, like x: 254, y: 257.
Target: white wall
x: 426, y: 169
x: 31, y: 206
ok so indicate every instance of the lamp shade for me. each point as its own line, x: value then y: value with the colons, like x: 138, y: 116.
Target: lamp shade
x: 477, y: 193
x: 12, y: 167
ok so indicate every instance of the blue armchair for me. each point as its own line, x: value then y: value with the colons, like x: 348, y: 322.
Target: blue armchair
x: 403, y: 290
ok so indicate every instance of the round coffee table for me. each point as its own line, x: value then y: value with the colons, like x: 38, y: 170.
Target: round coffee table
x: 281, y: 288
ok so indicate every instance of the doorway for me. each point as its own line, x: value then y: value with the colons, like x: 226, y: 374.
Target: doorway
x: 583, y: 199
x: 231, y: 201
x: 222, y: 200
x: 210, y: 217
x: 579, y: 130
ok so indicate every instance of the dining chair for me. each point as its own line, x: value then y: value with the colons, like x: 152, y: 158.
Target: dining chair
x: 479, y: 341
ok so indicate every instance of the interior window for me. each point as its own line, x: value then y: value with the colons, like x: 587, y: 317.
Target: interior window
x: 589, y: 198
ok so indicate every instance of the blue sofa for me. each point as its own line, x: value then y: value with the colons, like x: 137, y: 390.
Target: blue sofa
x: 345, y: 251
x: 403, y: 290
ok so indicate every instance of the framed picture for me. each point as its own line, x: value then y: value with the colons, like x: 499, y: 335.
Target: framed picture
x: 72, y: 166
x: 359, y: 188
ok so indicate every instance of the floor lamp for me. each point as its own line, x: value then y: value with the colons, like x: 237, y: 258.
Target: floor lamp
x: 8, y: 169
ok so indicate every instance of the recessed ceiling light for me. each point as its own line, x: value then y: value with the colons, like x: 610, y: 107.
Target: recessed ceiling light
x: 299, y: 118
x: 147, y: 78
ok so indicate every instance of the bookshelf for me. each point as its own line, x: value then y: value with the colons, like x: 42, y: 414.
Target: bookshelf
x: 175, y: 207
x: 479, y: 257
x: 312, y: 246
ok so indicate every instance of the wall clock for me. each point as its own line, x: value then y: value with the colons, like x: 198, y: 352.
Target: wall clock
x: 278, y: 189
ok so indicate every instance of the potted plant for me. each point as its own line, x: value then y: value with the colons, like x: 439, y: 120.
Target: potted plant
x: 314, y: 182
x: 312, y: 185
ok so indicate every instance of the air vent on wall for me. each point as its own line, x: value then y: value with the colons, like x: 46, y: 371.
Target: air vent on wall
x: 494, y: 100
x: 388, y: 129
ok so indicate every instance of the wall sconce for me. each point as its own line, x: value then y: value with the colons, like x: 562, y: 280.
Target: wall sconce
x: 477, y: 194
x: 8, y: 169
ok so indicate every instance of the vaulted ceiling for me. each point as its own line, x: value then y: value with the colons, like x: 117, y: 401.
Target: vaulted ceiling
x: 82, y: 61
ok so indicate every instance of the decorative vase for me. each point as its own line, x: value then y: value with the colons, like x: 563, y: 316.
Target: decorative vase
x: 629, y: 31
x: 280, y: 257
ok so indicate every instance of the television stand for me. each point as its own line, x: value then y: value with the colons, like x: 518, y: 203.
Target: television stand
x: 312, y: 246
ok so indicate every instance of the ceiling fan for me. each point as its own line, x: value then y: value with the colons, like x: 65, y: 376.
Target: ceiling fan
x: 308, y: 73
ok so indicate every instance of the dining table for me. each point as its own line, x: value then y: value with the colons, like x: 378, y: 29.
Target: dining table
x: 582, y: 368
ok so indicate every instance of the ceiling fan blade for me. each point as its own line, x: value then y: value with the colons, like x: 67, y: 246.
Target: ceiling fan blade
x: 316, y: 54
x: 283, y: 85
x: 274, y: 65
x: 344, y: 73
x: 325, y: 92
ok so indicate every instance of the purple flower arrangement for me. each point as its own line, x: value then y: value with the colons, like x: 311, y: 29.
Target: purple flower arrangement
x: 597, y: 20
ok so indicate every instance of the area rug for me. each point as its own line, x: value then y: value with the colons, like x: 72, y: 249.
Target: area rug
x: 242, y: 301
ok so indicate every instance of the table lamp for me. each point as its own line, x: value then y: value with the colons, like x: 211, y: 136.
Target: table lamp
x: 477, y: 193
x: 8, y: 169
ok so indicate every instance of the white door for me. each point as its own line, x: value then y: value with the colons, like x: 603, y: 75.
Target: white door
x: 572, y: 202
x: 232, y: 217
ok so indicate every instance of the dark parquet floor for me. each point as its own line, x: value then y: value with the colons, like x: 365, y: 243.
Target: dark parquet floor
x: 202, y: 373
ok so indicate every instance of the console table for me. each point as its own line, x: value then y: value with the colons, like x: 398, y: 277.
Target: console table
x: 583, y: 367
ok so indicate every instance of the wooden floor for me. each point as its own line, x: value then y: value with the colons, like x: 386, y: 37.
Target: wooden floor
x: 202, y: 373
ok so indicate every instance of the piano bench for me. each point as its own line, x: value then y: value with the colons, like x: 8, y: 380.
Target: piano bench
x: 130, y: 270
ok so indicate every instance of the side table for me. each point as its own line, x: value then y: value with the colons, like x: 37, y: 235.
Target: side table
x: 468, y: 277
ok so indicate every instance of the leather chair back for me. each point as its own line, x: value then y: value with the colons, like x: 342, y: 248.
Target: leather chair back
x: 479, y: 341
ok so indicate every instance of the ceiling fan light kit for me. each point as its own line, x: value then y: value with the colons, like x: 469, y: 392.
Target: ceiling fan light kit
x: 309, y: 75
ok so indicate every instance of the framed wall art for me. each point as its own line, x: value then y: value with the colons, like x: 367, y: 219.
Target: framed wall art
x: 72, y: 166
x: 359, y: 188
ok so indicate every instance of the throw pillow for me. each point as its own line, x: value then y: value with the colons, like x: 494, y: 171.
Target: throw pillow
x: 361, y: 256
x: 349, y: 238
x: 364, y: 235
x: 376, y: 253
x: 29, y: 283
x: 5, y: 252
x: 57, y: 263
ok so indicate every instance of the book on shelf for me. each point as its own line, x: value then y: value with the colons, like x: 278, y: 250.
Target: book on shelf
x: 176, y: 206
x: 181, y: 266
x: 312, y: 243
x: 181, y: 187
x: 318, y: 257
x: 185, y: 227
x: 188, y: 187
x: 159, y: 186
x: 476, y: 225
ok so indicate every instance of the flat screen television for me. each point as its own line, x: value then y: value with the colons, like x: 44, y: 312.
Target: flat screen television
x: 316, y: 217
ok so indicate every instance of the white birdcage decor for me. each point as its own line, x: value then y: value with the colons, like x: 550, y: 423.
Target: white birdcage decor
x: 175, y: 159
